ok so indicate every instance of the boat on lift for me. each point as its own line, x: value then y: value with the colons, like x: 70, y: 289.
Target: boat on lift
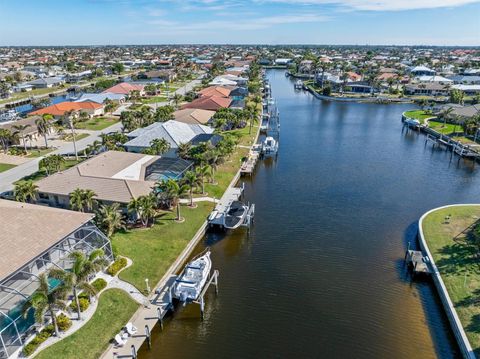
x: 298, y: 85
x: 190, y: 283
x: 235, y: 215
x: 269, y: 146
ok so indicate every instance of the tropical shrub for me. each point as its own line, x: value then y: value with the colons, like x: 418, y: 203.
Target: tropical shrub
x: 64, y: 323
x: 99, y: 284
x: 116, y: 266
x: 84, y: 304
x: 44, y: 334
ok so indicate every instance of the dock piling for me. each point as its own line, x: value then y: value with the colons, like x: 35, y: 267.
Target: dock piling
x: 160, y: 317
x: 134, y: 351
x: 148, y: 336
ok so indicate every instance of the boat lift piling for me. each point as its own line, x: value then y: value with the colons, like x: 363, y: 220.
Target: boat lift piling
x: 213, y: 280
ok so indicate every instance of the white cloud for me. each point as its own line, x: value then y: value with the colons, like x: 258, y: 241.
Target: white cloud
x: 254, y: 23
x: 381, y: 5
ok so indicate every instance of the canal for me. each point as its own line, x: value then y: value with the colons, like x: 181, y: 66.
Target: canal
x: 321, y: 274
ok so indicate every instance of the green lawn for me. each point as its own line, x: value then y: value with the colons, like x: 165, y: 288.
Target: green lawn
x: 96, y: 123
x: 447, y: 129
x: 36, y: 176
x: 40, y: 153
x: 114, y: 309
x: 154, y: 99
x: 154, y: 250
x: 419, y: 115
x: 5, y: 167
x: 78, y: 137
x: 457, y: 261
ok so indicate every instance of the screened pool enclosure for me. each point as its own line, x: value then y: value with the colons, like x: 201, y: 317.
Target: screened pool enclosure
x: 20, y: 284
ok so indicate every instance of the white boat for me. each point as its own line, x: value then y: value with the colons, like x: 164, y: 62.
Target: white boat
x: 410, y: 122
x: 235, y: 214
x: 299, y: 85
x: 269, y: 146
x: 190, y: 283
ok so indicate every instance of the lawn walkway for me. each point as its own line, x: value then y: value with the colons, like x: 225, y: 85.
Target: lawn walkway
x: 114, y: 309
x: 458, y: 263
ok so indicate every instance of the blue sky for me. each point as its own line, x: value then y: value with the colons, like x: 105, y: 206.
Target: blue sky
x: 360, y: 22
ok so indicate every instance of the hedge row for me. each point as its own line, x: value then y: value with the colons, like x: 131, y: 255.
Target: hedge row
x: 116, y: 266
x: 63, y: 322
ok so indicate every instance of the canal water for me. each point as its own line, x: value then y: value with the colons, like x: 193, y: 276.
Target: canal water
x: 321, y: 274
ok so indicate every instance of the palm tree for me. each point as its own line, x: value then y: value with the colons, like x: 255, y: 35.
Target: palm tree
x: 82, y: 270
x: 25, y: 191
x: 445, y: 114
x: 46, y: 301
x: 176, y: 191
x: 89, y: 199
x: 110, y: 218
x: 76, y: 200
x: 44, y: 124
x: 184, y: 150
x: 204, y: 172
x: 176, y: 99
x: 192, y: 181
x: 71, y: 117
x: 20, y: 131
x: 82, y: 200
x: 144, y: 208
x: 5, y: 138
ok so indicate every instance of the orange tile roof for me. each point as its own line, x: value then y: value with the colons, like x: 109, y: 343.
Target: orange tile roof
x: 215, y: 91
x: 124, y: 88
x: 59, y: 109
x: 212, y: 103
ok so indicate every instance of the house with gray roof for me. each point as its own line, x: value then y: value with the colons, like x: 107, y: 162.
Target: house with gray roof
x: 101, y: 97
x: 46, y: 82
x: 174, y: 132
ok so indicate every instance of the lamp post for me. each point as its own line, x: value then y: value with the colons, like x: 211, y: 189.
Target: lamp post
x: 147, y: 285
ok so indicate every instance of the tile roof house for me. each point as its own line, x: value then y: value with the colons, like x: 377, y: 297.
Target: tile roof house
x: 35, y: 239
x: 211, y: 103
x: 215, y: 91
x: 194, y: 116
x: 114, y: 176
x: 125, y: 88
x: 174, y: 132
x: 59, y: 109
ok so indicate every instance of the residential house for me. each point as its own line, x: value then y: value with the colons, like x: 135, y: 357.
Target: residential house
x: 100, y: 98
x: 219, y: 91
x: 58, y: 110
x: 125, y: 88
x: 211, y: 103
x: 46, y: 82
x: 114, y: 176
x: 194, y: 116
x: 173, y: 131
x: 421, y: 71
x: 35, y: 239
x: 429, y: 89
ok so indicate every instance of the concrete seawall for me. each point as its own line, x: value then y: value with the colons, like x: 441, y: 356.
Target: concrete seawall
x: 455, y: 323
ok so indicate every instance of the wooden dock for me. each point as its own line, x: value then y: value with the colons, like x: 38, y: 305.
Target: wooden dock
x: 250, y: 163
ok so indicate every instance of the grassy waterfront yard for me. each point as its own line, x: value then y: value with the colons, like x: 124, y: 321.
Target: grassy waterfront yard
x: 153, y: 250
x: 419, y: 115
x: 115, y: 308
x: 457, y: 258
